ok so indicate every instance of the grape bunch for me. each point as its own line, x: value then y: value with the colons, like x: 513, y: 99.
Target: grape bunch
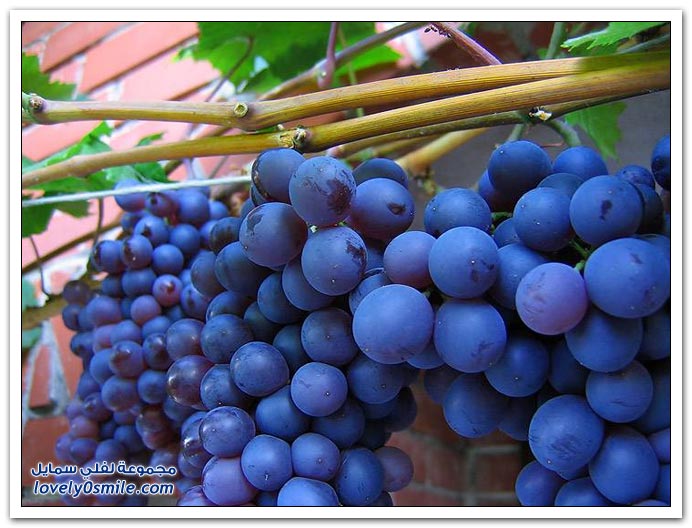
x: 269, y: 356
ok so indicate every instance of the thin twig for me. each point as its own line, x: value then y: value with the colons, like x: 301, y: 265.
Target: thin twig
x: 325, y: 77
x: 99, y: 223
x: 517, y: 132
x: 556, y: 38
x: 462, y: 40
x: 566, y: 131
x: 153, y: 187
x: 31, y: 266
x: 39, y: 261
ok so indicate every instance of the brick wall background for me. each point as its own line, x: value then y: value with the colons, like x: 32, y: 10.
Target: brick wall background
x: 133, y: 61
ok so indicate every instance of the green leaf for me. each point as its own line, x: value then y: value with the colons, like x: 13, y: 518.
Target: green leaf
x: 30, y: 337
x: 610, y: 36
x: 28, y: 295
x: 35, y: 81
x: 264, y: 54
x: 601, y: 124
x: 35, y: 219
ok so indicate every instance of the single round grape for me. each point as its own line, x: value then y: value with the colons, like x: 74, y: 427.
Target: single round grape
x: 495, y: 199
x: 380, y: 168
x: 183, y: 338
x: 514, y: 261
x: 225, y: 231
x: 222, y: 336
x: 517, y: 166
x: 628, y: 278
x: 103, y: 310
x: 566, y: 374
x: 344, y: 426
x: 580, y: 160
x: 657, y: 415
x: 238, y: 273
x: 272, y: 234
x: 470, y: 336
x: 153, y: 228
x: 381, y: 209
x: 218, y: 389
x: 406, y: 259
x: 456, y: 207
x: 167, y: 290
x: 605, y: 208
x: 321, y: 190
x: 138, y: 282
x: 315, y: 456
x: 393, y: 323
x: 472, y: 407
x: 374, y: 436
x: 156, y: 325
x: 225, y: 431
x: 278, y: 416
x: 318, y: 389
x: 272, y: 171
x: 660, y: 162
x: 110, y: 450
x: 144, y: 308
x: 428, y: 359
x: 194, y: 496
x: 653, y: 210
x: 517, y: 419
x: 202, y: 275
x: 167, y: 259
x: 620, y: 396
x: 522, y: 369
x: 151, y: 386
x: 300, y: 491
x: 184, y: 380
x: 258, y: 369
x: 262, y: 328
x: 266, y: 462
x: 662, y: 491
x: 186, y: 238
x: 506, y: 234
x: 625, y: 469
x: 636, y: 174
x: 162, y: 204
x: 604, y: 343
x: 580, y: 492
x: 288, y: 342
x: 563, y: 181
x: 76, y: 292
x: 360, y: 479
x: 536, y: 485
x: 193, y: 207
x: 541, y: 219
x: 463, y: 262
x: 274, y: 304
x: 373, y: 279
x: 565, y: 433
x: 397, y: 466
x: 132, y: 202
x: 126, y: 330
x: 228, y: 302
x: 374, y: 382
x: 660, y: 442
x: 298, y: 290
x: 119, y: 394
x: 327, y: 336
x: 225, y: 484
x: 127, y: 359
x: 333, y: 260
x: 541, y: 296
x: 136, y: 252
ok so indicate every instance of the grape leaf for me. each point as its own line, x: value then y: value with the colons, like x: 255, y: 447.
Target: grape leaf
x: 601, y: 124
x: 35, y: 81
x: 609, y: 36
x: 35, y: 219
x: 263, y: 54
x: 28, y: 295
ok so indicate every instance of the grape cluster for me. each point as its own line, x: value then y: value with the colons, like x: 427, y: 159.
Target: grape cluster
x: 269, y: 356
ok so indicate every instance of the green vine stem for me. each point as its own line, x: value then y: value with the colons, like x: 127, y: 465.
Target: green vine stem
x: 618, y: 82
x: 583, y: 252
x: 567, y: 131
x: 262, y: 114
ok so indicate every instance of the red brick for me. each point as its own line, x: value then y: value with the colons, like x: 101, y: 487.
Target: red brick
x: 445, y: 468
x: 72, y: 366
x: 165, y: 79
x: 141, y: 42
x: 74, y: 38
x: 41, y: 141
x: 38, y: 444
x: 497, y: 472
x: 70, y: 72
x: 420, y: 496
x: 32, y: 31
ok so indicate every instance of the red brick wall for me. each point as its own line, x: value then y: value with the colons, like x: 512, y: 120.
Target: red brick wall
x: 133, y: 61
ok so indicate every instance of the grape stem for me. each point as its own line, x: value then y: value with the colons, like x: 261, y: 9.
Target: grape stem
x: 583, y: 252
x: 567, y: 131
x: 620, y: 82
x: 324, y: 80
x: 261, y: 114
x: 463, y: 41
x: 501, y: 215
x: 579, y: 266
